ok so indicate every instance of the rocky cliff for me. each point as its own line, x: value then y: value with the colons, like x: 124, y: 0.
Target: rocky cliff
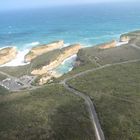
x: 111, y: 44
x: 124, y: 38
x: 65, y: 53
x: 48, y: 77
x: 7, y: 55
x: 39, y: 50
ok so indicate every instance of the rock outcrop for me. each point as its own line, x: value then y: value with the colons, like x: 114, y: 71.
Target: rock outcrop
x: 111, y: 44
x: 124, y: 38
x: 48, y: 77
x: 66, y: 53
x: 39, y: 50
x: 7, y: 55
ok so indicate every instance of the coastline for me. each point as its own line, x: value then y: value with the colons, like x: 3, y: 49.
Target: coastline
x: 60, y: 60
x: 66, y: 66
x: 19, y: 60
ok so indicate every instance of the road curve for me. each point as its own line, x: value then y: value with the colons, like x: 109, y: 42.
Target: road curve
x: 91, y: 108
x: 94, y: 118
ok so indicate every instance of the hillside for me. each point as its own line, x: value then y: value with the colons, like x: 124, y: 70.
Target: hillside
x: 105, y: 79
x: 115, y: 92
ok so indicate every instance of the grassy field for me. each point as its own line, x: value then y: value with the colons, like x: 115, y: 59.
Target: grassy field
x: 2, y: 77
x: 44, y: 59
x: 116, y: 94
x: 92, y: 57
x: 53, y: 113
x: 17, y: 71
x: 112, y: 55
x: 75, y: 71
x: 134, y: 36
x: 108, y: 56
x: 49, y: 113
x: 3, y: 91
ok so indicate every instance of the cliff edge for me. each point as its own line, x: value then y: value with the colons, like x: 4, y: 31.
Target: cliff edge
x: 108, y: 45
x: 65, y: 53
x: 39, y: 50
x: 7, y: 55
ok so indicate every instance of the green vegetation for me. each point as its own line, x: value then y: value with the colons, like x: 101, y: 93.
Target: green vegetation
x: 17, y: 71
x: 108, y: 56
x: 112, y: 55
x: 38, y: 62
x: 48, y: 113
x: 45, y: 59
x: 3, y: 91
x: 134, y: 36
x: 48, y: 57
x: 53, y: 113
x: 93, y: 57
x: 2, y: 77
x: 116, y: 94
x: 76, y: 70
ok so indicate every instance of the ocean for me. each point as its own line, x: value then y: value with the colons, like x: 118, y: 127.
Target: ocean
x: 85, y: 24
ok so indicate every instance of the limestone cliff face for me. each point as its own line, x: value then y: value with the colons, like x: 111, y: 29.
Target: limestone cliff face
x: 66, y: 52
x: 124, y: 38
x: 48, y: 77
x: 36, y: 51
x: 7, y: 55
x: 111, y: 44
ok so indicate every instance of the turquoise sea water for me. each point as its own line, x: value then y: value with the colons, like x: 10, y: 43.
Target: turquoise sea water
x: 85, y: 24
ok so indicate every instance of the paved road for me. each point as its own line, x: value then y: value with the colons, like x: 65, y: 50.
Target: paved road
x: 135, y: 46
x: 3, y: 73
x: 16, y: 84
x: 94, y: 118
x: 98, y: 68
x: 91, y: 108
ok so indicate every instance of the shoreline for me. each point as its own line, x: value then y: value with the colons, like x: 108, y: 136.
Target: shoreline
x: 66, y: 66
x: 19, y: 60
x: 47, y: 72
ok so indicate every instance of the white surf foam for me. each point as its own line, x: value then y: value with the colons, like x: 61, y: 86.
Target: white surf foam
x: 121, y: 43
x: 70, y: 69
x: 32, y: 44
x: 71, y: 58
x: 66, y: 45
x: 19, y: 60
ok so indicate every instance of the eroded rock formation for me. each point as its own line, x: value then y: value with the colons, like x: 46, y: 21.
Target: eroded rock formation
x: 7, y: 55
x: 39, y: 50
x: 124, y: 38
x: 111, y: 44
x: 48, y: 77
x: 66, y: 53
